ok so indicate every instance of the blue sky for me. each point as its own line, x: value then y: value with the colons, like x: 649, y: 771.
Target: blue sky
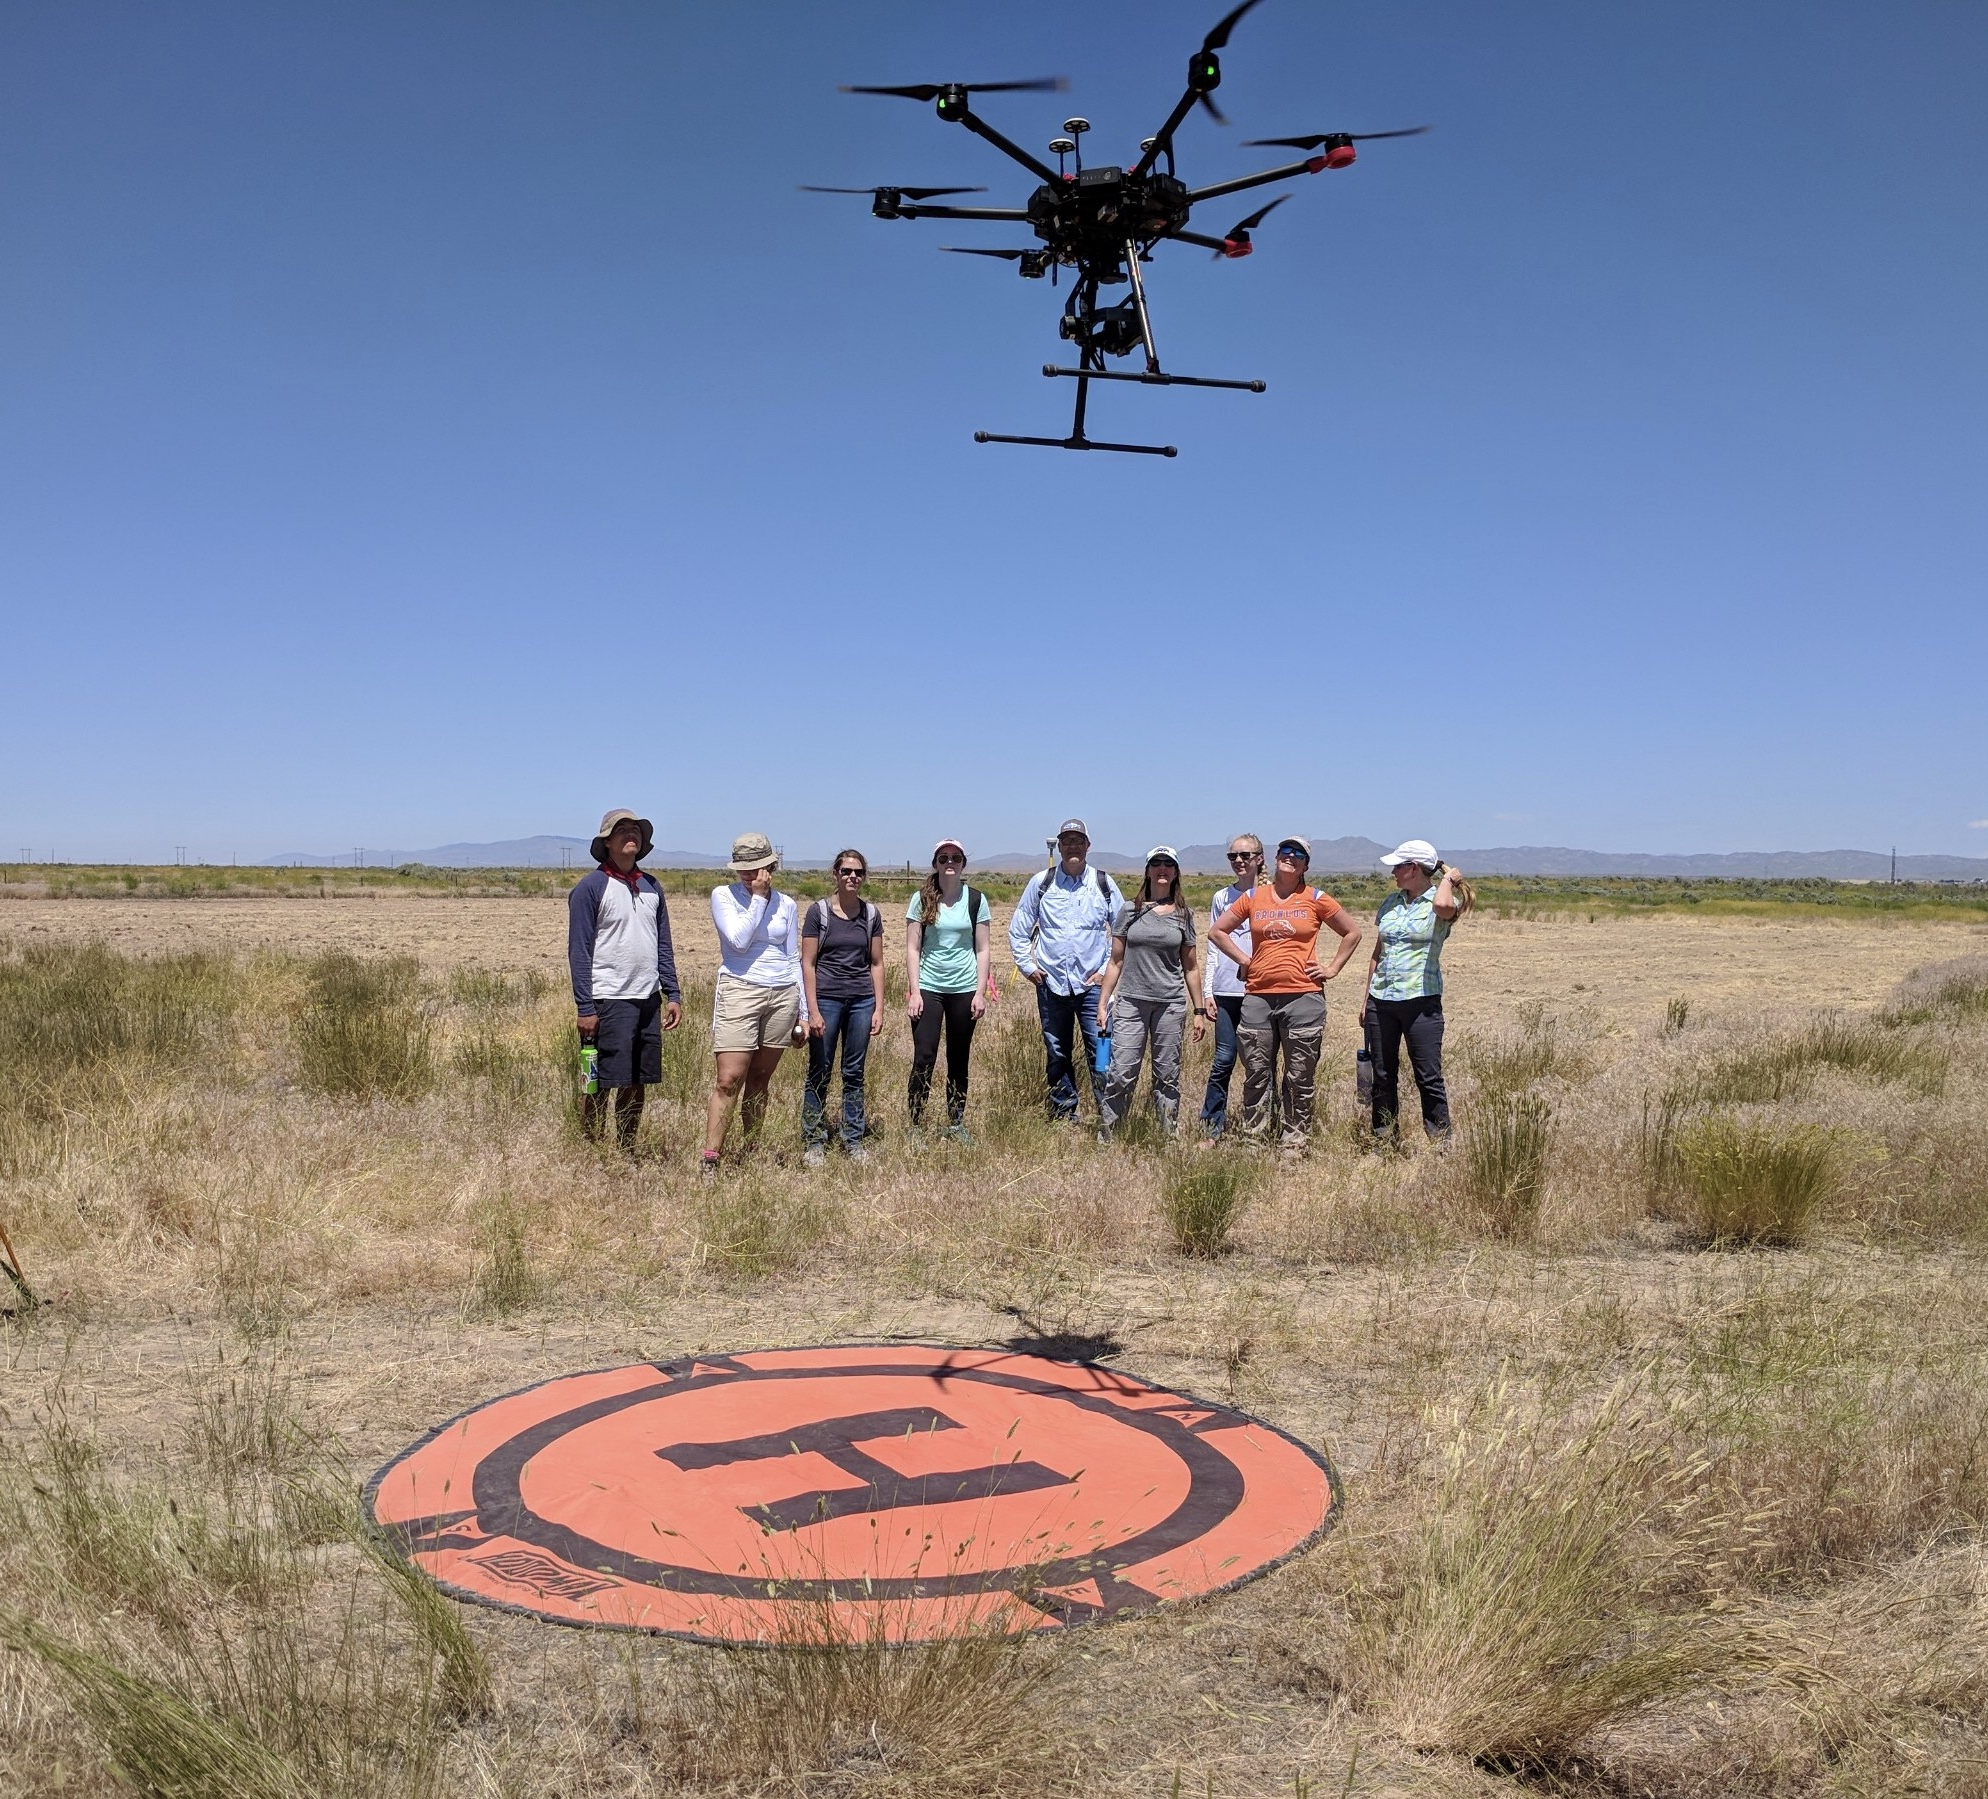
x: 442, y: 422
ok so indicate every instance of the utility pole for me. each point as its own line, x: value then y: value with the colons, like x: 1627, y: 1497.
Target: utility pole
x: 1894, y: 865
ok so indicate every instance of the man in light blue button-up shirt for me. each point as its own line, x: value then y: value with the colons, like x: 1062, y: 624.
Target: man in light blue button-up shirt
x: 1060, y: 938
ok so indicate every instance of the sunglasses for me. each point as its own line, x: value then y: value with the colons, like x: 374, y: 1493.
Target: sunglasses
x: 1289, y: 852
x: 1164, y: 862
x: 1245, y: 855
x: 845, y: 874
x: 950, y: 862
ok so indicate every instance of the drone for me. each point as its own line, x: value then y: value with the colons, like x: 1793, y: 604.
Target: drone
x: 1103, y: 222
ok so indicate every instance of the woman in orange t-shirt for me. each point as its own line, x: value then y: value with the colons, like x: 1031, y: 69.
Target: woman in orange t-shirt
x: 1284, y: 988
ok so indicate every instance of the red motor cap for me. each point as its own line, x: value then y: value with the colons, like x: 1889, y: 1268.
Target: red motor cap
x: 1232, y: 249
x: 1341, y: 156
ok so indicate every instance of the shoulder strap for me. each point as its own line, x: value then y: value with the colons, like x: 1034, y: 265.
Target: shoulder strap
x: 975, y: 899
x: 1104, y: 885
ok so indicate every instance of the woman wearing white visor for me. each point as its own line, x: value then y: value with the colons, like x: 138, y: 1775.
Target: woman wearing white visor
x: 1405, y: 983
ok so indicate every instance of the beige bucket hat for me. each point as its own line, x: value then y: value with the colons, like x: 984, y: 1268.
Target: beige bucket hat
x: 753, y: 850
x: 598, y: 848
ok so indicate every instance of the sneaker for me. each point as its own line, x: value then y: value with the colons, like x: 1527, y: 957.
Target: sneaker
x: 960, y: 1135
x: 1104, y: 1138
x: 814, y: 1156
x: 859, y: 1152
x: 707, y: 1168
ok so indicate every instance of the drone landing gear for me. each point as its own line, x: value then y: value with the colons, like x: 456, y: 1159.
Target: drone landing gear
x: 1077, y: 440
x: 1099, y: 334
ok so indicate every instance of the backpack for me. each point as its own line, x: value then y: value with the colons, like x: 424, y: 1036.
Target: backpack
x: 822, y: 908
x: 975, y: 899
x: 1048, y: 875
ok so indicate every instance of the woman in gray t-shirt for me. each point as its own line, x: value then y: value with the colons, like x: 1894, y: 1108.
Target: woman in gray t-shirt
x: 1149, y: 989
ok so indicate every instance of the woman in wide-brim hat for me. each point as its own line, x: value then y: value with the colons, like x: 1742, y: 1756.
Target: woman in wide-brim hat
x: 1405, y: 983
x: 759, y: 1009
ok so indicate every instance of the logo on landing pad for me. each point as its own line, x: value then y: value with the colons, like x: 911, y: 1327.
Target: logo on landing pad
x: 896, y: 1491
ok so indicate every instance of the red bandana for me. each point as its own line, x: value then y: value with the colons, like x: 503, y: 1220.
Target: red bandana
x: 632, y: 879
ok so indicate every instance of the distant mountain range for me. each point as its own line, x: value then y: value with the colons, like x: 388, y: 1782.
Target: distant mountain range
x: 1330, y: 855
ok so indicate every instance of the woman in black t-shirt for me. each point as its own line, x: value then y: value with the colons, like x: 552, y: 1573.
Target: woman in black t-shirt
x: 842, y: 971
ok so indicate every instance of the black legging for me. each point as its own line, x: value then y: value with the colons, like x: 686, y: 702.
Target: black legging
x: 955, y: 1011
x: 1421, y: 1022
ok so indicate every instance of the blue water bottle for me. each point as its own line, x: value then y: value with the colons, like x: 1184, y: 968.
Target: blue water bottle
x: 1102, y: 1061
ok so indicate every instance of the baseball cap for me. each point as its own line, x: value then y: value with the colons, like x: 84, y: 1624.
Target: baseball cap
x: 1301, y: 844
x: 1162, y: 852
x: 1073, y: 824
x: 1416, y: 849
x: 948, y: 843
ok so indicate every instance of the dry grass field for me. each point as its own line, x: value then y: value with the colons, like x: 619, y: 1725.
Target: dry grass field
x: 1658, y: 1396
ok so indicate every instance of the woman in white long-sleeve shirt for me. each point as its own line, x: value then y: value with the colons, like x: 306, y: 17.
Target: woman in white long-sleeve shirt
x: 759, y: 1010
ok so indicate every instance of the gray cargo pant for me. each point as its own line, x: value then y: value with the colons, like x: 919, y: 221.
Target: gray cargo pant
x: 1294, y: 1022
x: 1135, y: 1025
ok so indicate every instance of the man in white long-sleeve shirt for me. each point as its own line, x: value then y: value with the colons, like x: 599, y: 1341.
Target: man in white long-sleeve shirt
x: 1221, y: 983
x: 760, y: 1009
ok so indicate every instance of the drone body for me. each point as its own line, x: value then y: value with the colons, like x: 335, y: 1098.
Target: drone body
x: 1103, y: 222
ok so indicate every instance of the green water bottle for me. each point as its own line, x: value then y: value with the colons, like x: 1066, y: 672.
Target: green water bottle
x: 590, y: 1065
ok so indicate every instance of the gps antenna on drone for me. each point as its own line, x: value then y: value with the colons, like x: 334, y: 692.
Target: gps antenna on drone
x: 1103, y: 222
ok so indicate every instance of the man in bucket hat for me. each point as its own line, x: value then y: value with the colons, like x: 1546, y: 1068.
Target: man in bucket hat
x: 625, y: 989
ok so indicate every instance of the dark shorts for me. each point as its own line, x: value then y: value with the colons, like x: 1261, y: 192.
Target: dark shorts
x: 631, y: 1041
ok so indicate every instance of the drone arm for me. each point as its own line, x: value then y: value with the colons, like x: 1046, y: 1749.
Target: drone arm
x: 1310, y: 166
x: 1163, y: 141
x: 1194, y: 237
x: 1009, y: 215
x: 980, y: 128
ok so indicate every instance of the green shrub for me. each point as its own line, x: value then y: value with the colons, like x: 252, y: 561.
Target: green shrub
x: 1747, y: 1182
x: 1506, y: 1140
x: 1202, y: 1194
x: 364, y: 1030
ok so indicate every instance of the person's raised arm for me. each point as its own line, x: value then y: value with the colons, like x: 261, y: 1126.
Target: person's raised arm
x: 1447, y: 905
x: 1021, y: 929
x: 736, y: 923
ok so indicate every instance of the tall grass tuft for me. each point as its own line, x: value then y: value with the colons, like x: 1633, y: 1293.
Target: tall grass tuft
x: 750, y: 1226
x: 1202, y: 1195
x: 363, y: 1031
x: 1677, y: 1012
x: 1751, y: 1183
x: 506, y: 1282
x: 235, y: 1635
x: 75, y: 1019
x: 1946, y: 993
x: 1785, y: 1067
x: 1527, y: 1607
x: 1505, y: 1145
x: 1664, y: 1115
x: 1538, y: 1050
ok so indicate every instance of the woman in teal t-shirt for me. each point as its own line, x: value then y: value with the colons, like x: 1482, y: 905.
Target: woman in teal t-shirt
x: 948, y: 926
x: 1405, y: 984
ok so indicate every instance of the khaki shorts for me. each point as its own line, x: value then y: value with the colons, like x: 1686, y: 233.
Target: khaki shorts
x: 745, y: 1017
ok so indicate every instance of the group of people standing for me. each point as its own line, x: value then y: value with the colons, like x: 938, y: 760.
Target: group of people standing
x: 1117, y: 984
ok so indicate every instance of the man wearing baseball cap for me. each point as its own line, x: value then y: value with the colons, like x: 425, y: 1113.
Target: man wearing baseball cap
x: 1060, y: 937
x: 623, y: 964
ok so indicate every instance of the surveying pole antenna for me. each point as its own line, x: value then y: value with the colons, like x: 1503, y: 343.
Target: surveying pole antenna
x: 1139, y: 300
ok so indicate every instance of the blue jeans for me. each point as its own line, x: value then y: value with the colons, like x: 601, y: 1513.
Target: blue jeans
x: 849, y: 1020
x: 1215, y: 1103
x: 1062, y: 1014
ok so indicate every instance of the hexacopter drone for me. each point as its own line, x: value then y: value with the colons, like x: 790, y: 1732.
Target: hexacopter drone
x: 1103, y: 222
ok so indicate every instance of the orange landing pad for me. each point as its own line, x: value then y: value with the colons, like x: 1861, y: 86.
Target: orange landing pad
x: 895, y: 1491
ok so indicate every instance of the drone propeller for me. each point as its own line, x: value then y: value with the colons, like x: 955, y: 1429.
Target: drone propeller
x: 1337, y: 145
x: 903, y: 193
x: 1235, y: 241
x: 1216, y: 40
x: 1005, y: 255
x: 931, y: 90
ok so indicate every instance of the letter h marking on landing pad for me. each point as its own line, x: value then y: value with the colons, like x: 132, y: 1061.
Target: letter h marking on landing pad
x: 884, y: 1488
